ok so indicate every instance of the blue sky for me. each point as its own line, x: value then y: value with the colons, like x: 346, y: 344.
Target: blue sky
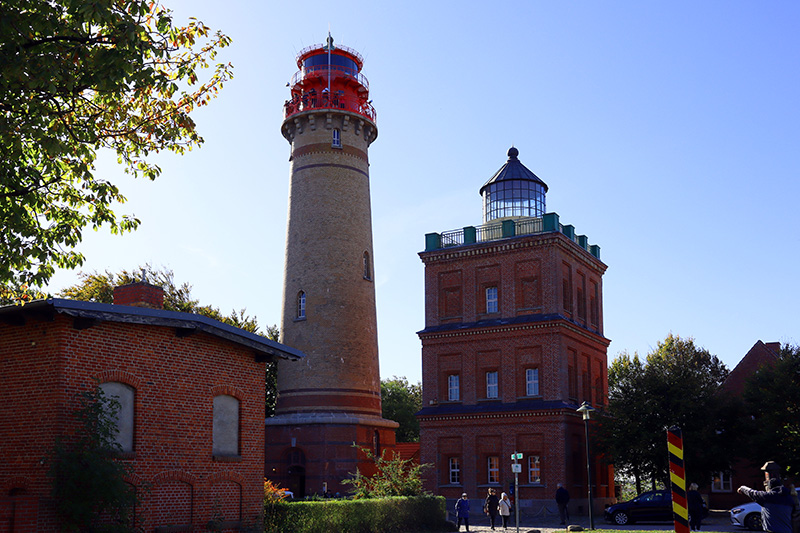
x: 668, y: 132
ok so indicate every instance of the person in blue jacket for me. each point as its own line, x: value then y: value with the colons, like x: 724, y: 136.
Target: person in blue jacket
x: 462, y: 512
x: 776, y: 502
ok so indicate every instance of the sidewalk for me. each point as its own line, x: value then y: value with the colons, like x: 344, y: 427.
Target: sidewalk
x: 715, y: 521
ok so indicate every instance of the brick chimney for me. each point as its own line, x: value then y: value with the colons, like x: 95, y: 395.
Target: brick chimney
x: 139, y: 294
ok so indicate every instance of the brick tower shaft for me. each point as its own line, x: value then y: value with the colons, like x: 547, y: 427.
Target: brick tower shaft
x: 332, y: 398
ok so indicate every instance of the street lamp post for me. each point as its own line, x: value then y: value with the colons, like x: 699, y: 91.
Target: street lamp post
x: 586, y: 410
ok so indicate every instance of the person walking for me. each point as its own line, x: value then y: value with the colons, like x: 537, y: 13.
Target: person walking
x: 504, y: 508
x: 462, y: 512
x: 776, y: 502
x: 490, y: 506
x: 696, y: 508
x: 562, y: 499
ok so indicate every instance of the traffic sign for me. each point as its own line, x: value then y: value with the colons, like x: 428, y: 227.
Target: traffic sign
x: 516, y: 468
x: 516, y: 456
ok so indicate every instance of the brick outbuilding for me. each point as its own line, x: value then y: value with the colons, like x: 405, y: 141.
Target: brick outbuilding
x: 192, y: 417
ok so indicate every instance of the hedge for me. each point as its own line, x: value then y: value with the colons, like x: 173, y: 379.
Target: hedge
x: 384, y: 515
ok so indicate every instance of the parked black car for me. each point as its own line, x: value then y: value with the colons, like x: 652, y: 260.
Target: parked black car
x: 652, y: 506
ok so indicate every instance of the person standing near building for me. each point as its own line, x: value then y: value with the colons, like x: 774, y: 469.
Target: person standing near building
x: 776, y: 502
x: 462, y: 512
x: 504, y: 508
x: 490, y: 506
x: 562, y: 500
x: 696, y: 508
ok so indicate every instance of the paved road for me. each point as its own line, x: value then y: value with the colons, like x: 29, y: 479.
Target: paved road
x: 716, y: 521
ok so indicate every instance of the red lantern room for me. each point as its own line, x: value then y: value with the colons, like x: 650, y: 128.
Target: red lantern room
x: 329, y: 78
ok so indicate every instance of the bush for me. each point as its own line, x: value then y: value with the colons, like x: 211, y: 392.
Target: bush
x: 273, y: 493
x: 385, y: 515
x: 394, y: 476
x: 88, y: 482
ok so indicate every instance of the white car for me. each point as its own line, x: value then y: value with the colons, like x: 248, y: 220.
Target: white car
x: 747, y: 515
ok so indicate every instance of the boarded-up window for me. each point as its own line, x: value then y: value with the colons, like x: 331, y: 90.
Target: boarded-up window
x: 528, y: 297
x: 566, y: 288
x: 226, y: 425
x: 124, y: 394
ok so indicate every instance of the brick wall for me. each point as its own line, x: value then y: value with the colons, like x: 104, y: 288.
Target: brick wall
x: 45, y: 362
x: 549, y: 318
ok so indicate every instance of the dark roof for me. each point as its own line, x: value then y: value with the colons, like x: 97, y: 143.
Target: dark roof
x: 444, y: 409
x: 514, y: 170
x: 187, y: 322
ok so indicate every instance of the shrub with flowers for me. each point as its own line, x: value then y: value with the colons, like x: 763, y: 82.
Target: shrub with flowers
x: 273, y: 493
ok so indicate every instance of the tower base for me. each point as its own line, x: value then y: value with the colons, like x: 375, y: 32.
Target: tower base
x: 312, y: 453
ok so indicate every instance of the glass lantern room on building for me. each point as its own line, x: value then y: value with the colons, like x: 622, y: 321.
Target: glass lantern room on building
x: 513, y: 192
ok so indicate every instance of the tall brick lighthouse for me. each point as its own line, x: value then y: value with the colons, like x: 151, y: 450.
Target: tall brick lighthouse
x: 513, y: 344
x: 331, y: 399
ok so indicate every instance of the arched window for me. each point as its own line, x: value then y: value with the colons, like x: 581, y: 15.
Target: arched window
x: 301, y: 304
x: 337, y: 139
x: 124, y: 395
x: 367, y: 266
x: 225, y: 429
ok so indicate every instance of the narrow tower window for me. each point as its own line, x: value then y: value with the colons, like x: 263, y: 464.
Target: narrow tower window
x: 534, y: 470
x: 491, y: 299
x: 491, y: 384
x: 301, y: 304
x: 532, y: 382
x: 493, y: 466
x: 452, y: 388
x: 337, y: 138
x: 455, y: 471
x: 367, y: 267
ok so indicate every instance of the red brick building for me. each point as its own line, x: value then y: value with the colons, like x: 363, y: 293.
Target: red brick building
x: 722, y: 494
x: 191, y: 422
x: 513, y: 344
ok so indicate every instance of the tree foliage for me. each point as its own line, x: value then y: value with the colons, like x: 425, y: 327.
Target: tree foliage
x: 678, y: 384
x: 99, y: 287
x: 772, y: 396
x: 395, y: 476
x: 80, y: 76
x: 400, y: 401
x: 88, y: 482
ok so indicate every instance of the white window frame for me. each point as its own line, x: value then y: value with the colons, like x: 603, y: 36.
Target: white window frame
x: 453, y: 389
x: 493, y: 469
x: 336, y: 141
x: 721, y: 482
x: 534, y: 470
x: 492, y: 384
x: 491, y: 300
x: 454, y: 470
x: 531, y: 382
